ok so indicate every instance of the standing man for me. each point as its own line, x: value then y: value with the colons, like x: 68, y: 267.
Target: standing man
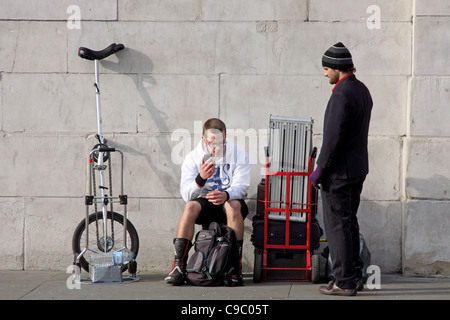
x: 342, y: 167
x: 215, y: 178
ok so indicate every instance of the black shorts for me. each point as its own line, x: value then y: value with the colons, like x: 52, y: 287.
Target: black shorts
x: 213, y: 213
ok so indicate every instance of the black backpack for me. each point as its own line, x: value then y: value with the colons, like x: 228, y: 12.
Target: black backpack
x: 216, y: 257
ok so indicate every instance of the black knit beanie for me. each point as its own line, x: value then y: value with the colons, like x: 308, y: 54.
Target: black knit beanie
x: 337, y: 57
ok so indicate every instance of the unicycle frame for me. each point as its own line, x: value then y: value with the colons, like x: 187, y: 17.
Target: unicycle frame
x: 98, y: 156
x: 104, y: 199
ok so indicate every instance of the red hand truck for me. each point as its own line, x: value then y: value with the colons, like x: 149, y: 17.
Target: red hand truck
x: 288, y: 258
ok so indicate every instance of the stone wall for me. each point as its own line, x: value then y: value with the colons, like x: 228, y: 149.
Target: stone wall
x: 240, y: 60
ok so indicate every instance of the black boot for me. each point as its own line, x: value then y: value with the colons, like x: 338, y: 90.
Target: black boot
x: 234, y: 277
x: 176, y: 276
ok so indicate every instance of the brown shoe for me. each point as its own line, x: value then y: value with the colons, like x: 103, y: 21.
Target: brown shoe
x: 333, y: 289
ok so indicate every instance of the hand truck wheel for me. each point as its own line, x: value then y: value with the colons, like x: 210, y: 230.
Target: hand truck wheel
x: 258, y: 265
x: 315, y: 268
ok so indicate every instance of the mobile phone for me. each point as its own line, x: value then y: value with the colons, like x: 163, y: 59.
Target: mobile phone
x: 207, y: 156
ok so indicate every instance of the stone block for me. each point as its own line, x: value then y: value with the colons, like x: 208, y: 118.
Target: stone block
x: 430, y: 52
x: 50, y: 225
x: 381, y: 224
x: 384, y: 179
x: 389, y: 104
x: 12, y: 215
x: 254, y: 10
x: 68, y: 104
x: 171, y: 103
x: 247, y: 101
x: 239, y: 49
x: 427, y: 173
x: 30, y: 50
x: 42, y: 165
x: 429, y: 106
x: 1, y: 102
x: 256, y: 97
x: 9, y: 31
x: 348, y: 10
x: 160, y: 10
x: 297, y: 47
x: 426, y: 238
x: 439, y: 8
x: 59, y: 10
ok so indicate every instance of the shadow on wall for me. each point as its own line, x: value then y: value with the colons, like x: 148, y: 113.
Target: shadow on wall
x: 138, y: 66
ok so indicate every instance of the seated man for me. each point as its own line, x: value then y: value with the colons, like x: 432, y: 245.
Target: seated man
x: 214, y: 188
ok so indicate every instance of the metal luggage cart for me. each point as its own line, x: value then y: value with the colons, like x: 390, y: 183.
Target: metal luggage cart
x: 289, y: 197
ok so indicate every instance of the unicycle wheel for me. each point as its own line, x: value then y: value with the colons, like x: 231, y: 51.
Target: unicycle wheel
x: 114, y: 241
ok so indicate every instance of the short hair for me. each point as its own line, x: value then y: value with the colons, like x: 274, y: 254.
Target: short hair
x: 349, y: 70
x: 217, y: 124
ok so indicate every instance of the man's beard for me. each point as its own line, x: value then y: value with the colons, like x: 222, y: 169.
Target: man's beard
x: 334, y: 78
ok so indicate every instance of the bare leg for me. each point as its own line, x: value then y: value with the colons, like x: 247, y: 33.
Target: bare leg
x: 186, y: 224
x: 234, y: 218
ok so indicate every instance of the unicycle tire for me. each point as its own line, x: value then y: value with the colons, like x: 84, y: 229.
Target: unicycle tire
x: 113, y: 243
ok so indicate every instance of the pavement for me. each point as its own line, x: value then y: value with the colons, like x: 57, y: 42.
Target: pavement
x: 58, y: 285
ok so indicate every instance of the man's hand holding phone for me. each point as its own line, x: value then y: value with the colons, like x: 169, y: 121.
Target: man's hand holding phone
x: 208, y: 167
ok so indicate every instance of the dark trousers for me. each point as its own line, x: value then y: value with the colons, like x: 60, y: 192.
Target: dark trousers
x: 340, y: 201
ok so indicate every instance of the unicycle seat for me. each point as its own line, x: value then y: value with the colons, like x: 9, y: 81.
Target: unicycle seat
x: 90, y: 54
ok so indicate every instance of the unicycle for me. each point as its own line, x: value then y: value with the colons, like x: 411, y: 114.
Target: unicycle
x: 105, y: 240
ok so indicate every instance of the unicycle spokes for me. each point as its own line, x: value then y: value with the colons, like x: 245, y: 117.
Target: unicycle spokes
x: 113, y: 243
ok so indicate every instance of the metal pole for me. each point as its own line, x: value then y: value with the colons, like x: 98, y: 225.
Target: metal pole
x: 100, y: 156
x: 97, y: 100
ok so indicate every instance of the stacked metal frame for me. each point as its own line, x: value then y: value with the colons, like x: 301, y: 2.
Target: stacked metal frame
x: 290, y: 144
